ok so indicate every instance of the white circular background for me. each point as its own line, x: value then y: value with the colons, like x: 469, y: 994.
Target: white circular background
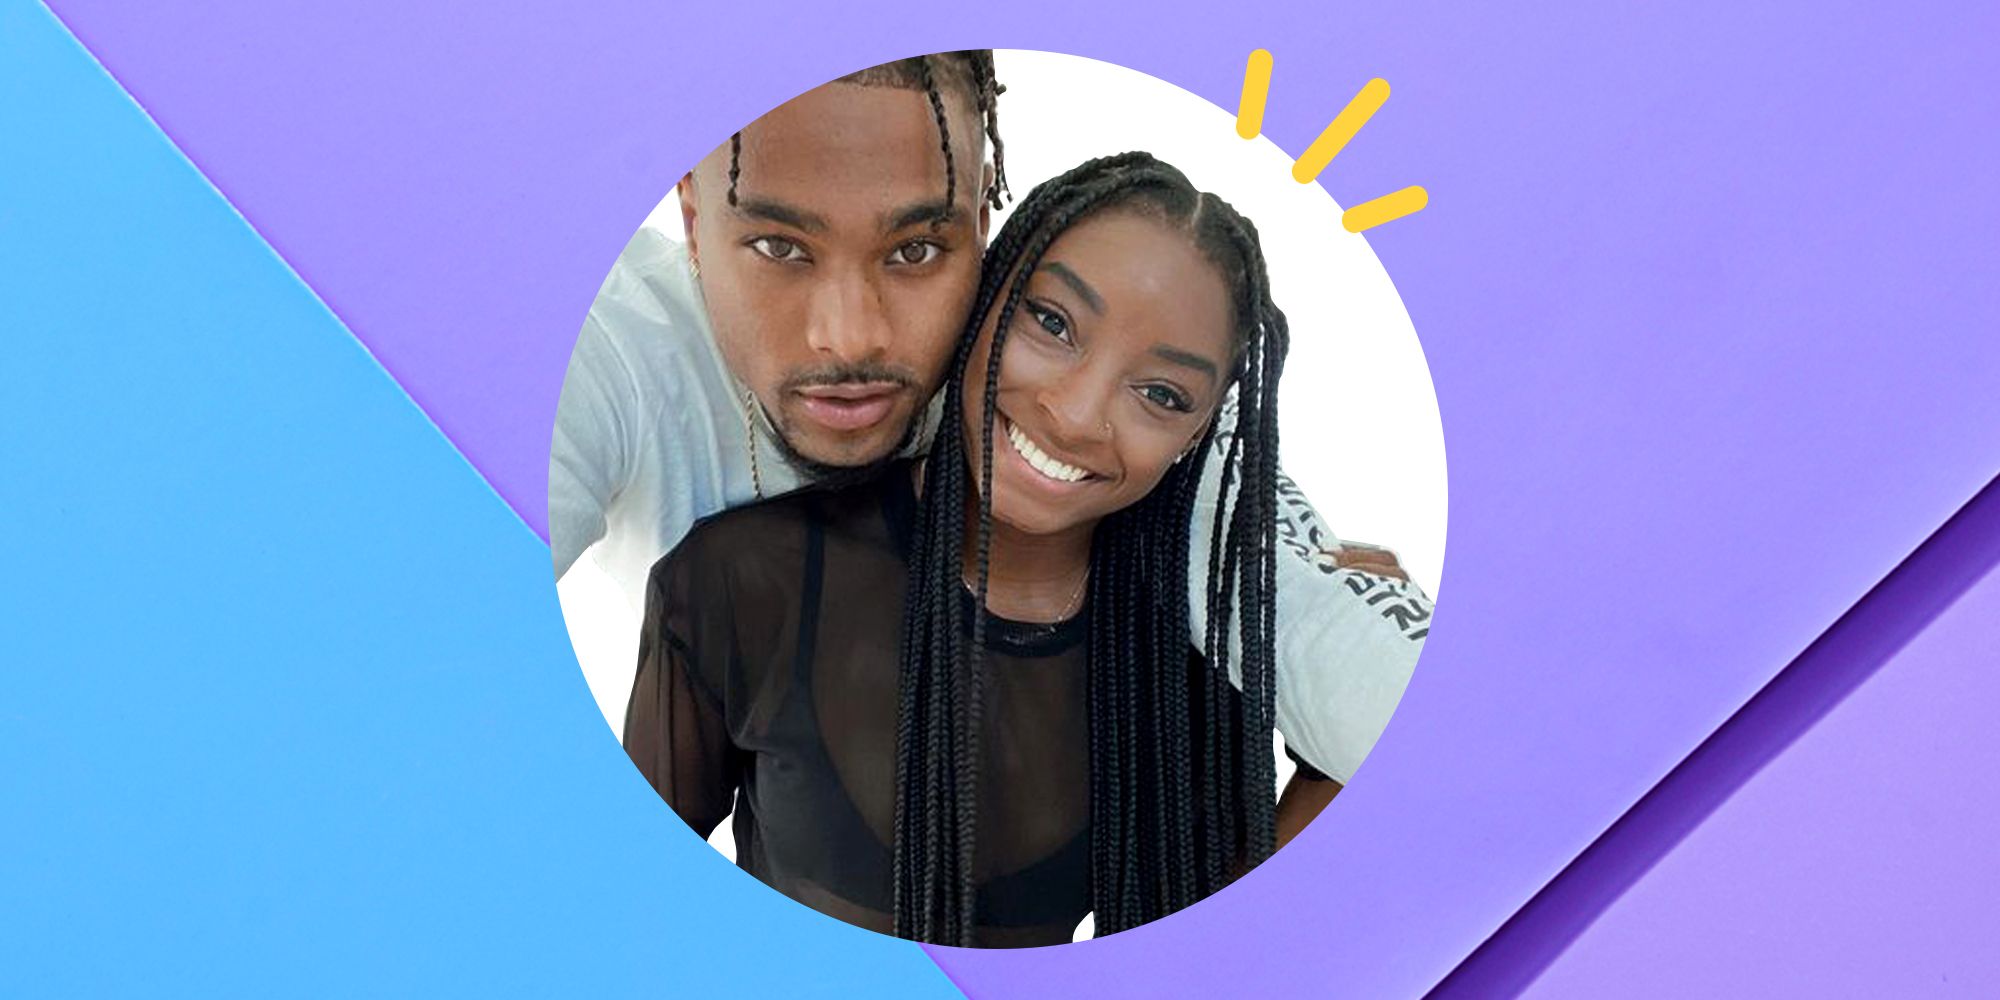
x: 1358, y: 417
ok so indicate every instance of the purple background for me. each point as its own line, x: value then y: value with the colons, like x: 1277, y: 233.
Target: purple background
x: 1706, y: 293
x: 1854, y: 866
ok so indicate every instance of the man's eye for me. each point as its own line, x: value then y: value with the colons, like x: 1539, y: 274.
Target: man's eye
x: 1050, y: 321
x: 1167, y: 396
x: 778, y: 248
x: 916, y: 252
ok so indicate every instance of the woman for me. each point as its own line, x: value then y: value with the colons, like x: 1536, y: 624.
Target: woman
x: 957, y: 701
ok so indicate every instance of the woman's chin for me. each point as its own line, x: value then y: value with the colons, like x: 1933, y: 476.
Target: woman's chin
x: 1029, y: 518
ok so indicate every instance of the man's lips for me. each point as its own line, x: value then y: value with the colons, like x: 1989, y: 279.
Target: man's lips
x: 849, y: 406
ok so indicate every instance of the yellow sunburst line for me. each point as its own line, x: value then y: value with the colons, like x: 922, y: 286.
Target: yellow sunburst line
x: 1340, y: 130
x: 1343, y: 128
x: 1256, y: 87
x: 1387, y: 208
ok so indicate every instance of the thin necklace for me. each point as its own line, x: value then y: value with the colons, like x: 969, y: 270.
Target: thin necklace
x: 1069, y: 608
x: 1075, y: 596
x: 750, y: 444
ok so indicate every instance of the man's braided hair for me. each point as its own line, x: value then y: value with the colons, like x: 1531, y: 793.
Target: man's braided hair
x: 970, y: 71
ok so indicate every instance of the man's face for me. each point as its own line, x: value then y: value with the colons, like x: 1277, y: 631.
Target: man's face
x: 840, y: 279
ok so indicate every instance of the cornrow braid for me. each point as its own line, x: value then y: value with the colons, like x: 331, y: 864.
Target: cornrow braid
x: 929, y: 81
x: 735, y: 163
x: 989, y: 89
x: 1181, y: 775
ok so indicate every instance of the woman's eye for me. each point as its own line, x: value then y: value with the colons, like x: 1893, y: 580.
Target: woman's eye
x: 1050, y: 321
x: 916, y: 252
x: 778, y: 248
x: 1167, y: 396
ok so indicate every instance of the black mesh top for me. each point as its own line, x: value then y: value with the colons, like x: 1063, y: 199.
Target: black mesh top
x: 767, y: 683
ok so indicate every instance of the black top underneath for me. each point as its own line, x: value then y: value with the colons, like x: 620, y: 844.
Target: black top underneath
x: 768, y: 681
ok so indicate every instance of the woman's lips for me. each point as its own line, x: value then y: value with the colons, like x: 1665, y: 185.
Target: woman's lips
x: 851, y: 406
x: 1039, y: 479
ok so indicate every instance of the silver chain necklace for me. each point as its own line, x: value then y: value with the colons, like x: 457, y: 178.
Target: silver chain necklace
x: 750, y: 443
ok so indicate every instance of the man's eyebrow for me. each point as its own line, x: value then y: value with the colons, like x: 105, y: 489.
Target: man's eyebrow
x: 936, y: 212
x: 781, y: 213
x: 1194, y: 361
x: 1076, y: 284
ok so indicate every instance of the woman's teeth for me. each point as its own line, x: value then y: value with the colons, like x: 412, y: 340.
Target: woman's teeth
x: 1043, y: 464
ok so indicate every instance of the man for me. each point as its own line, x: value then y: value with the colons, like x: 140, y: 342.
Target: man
x: 832, y: 252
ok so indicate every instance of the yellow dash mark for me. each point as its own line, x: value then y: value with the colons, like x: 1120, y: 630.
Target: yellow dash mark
x: 1387, y: 208
x: 1256, y: 87
x: 1340, y: 130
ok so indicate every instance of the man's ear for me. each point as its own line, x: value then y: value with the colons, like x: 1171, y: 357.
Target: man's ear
x: 685, y: 191
x: 985, y: 207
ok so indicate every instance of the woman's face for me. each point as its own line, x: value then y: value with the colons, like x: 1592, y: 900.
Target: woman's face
x: 1116, y: 361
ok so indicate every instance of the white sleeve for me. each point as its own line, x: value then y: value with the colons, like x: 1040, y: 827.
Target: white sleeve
x: 590, y: 456
x: 1346, y: 640
x: 1347, y: 643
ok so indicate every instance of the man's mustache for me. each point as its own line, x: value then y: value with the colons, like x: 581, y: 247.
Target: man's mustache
x: 851, y: 375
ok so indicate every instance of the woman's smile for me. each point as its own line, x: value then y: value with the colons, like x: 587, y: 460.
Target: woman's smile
x: 1037, y: 466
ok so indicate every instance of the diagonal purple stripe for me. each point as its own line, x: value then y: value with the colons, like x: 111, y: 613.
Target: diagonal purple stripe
x: 1949, y: 563
x: 1859, y: 863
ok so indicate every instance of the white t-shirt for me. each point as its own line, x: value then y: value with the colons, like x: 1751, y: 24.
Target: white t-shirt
x: 652, y: 434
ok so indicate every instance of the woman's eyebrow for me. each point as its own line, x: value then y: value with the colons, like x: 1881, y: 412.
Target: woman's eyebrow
x: 1076, y: 284
x: 1194, y: 361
